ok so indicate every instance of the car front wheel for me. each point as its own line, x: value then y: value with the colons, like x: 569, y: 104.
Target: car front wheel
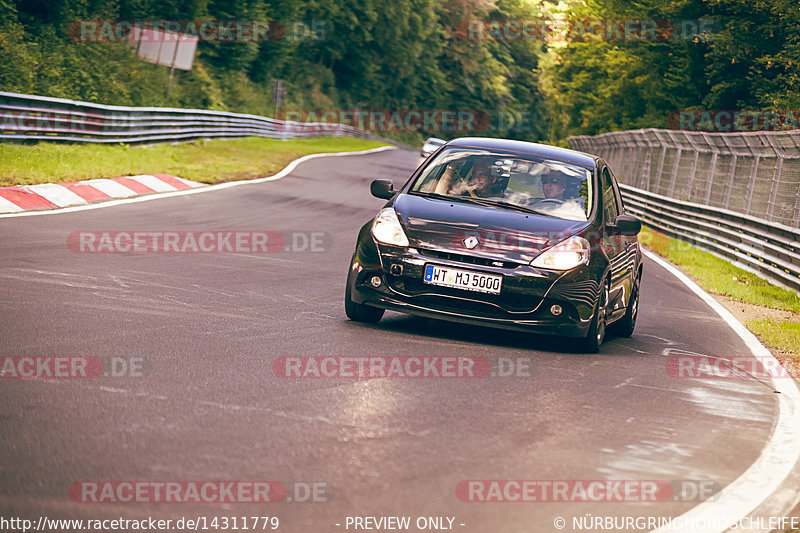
x: 597, y: 330
x: 356, y: 311
x: 625, y: 325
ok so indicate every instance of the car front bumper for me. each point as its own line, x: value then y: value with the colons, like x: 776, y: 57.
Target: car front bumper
x: 525, y: 302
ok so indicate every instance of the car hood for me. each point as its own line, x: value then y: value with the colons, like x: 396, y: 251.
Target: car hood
x: 489, y: 232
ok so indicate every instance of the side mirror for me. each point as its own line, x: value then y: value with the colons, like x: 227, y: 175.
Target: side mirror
x: 382, y: 189
x: 627, y: 225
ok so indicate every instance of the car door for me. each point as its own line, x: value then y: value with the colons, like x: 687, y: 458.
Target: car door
x: 614, y: 244
x: 631, y: 250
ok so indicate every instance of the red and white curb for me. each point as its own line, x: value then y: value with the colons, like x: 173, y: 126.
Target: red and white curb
x: 21, y: 198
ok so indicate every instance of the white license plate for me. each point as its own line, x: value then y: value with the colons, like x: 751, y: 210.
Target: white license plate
x: 462, y: 279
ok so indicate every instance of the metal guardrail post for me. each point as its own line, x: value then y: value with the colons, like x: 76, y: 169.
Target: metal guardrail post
x: 643, y: 178
x: 731, y: 172
x: 676, y: 164
x: 712, y: 169
x: 776, y: 177
x: 796, y: 219
x: 693, y: 169
x: 660, y: 171
x: 753, y: 173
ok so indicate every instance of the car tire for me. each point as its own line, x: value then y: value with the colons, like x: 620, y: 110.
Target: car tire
x: 359, y: 312
x: 597, y: 329
x: 624, y: 326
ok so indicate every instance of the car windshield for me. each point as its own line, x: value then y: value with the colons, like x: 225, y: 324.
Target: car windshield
x: 516, y: 181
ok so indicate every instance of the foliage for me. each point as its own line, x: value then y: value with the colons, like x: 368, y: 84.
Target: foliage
x: 411, y: 55
x: 370, y: 54
x: 748, y: 60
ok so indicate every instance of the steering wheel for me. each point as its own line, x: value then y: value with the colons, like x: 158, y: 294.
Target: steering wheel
x: 555, y: 202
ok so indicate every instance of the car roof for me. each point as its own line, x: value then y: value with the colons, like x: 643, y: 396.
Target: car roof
x: 542, y: 150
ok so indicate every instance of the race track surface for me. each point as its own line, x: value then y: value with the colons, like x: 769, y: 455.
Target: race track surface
x: 208, y: 327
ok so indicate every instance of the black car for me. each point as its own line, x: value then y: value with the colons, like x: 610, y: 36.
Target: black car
x: 502, y: 233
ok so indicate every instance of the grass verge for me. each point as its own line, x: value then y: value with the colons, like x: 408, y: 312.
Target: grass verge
x: 212, y: 161
x: 771, y: 312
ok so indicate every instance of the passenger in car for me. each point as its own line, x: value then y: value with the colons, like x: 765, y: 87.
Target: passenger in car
x: 562, y: 190
x: 479, y: 184
x: 554, y: 186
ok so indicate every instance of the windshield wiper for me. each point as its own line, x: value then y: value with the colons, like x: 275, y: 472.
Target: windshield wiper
x: 483, y: 201
x: 436, y: 195
x: 506, y: 205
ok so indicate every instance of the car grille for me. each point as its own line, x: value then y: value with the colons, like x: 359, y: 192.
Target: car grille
x: 461, y: 306
x: 468, y: 259
x: 502, y: 305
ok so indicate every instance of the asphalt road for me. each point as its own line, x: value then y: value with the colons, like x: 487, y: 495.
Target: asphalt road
x: 209, y: 326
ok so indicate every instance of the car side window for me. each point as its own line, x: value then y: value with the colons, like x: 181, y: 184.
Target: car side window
x: 610, y: 207
x: 617, y: 193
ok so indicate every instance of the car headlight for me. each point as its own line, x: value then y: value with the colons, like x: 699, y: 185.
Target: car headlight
x: 565, y: 255
x: 386, y: 228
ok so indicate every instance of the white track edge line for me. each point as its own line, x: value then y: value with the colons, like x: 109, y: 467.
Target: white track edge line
x: 146, y: 198
x: 778, y: 456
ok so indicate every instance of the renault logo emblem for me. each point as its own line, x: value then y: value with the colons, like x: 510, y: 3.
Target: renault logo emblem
x: 471, y: 242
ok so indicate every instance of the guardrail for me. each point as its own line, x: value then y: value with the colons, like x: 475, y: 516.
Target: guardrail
x: 736, y: 195
x: 755, y: 173
x: 27, y: 117
x: 767, y: 248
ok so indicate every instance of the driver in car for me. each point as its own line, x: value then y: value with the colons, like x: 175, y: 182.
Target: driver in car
x: 479, y: 184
